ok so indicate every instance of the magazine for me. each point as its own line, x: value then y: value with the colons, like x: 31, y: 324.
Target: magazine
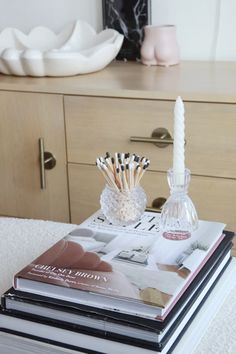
x: 129, y: 269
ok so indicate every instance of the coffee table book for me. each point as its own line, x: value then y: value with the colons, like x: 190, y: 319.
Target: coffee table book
x: 91, y: 341
x: 80, y: 316
x: 131, y: 270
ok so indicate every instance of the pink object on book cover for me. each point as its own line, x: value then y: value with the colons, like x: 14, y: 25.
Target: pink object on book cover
x: 160, y: 46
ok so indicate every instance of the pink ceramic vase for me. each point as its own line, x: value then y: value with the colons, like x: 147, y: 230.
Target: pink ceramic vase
x: 160, y: 46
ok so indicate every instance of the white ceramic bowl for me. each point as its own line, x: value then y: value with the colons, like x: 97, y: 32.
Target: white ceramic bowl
x: 77, y: 49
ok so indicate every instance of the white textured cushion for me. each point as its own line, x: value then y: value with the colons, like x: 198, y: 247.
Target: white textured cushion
x: 22, y: 240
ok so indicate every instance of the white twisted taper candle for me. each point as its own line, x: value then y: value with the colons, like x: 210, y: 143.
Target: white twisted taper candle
x: 178, y: 154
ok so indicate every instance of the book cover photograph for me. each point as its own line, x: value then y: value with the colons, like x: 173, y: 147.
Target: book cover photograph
x: 134, y: 266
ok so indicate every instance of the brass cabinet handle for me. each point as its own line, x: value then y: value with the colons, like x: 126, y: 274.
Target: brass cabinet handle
x: 47, y: 161
x: 160, y: 137
x: 157, y: 205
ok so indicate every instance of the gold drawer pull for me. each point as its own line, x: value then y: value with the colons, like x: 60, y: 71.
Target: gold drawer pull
x: 47, y: 162
x: 160, y: 137
x: 157, y: 205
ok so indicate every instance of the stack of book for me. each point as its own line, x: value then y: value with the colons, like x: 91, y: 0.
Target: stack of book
x: 109, y: 289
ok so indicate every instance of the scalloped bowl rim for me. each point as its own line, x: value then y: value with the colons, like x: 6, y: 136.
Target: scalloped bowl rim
x: 77, y: 49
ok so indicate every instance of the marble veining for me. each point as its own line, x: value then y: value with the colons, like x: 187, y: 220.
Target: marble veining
x: 127, y: 17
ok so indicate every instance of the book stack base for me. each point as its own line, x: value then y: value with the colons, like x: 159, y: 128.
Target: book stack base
x: 75, y: 319
x: 213, y: 309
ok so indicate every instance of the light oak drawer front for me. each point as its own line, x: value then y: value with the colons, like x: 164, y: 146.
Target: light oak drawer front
x: 85, y: 186
x: 214, y: 198
x: 96, y: 125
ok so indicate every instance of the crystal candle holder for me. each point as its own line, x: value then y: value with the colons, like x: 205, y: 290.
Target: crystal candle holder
x: 123, y: 207
x: 178, y: 217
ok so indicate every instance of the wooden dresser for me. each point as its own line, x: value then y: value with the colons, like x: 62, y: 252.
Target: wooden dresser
x: 82, y: 117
